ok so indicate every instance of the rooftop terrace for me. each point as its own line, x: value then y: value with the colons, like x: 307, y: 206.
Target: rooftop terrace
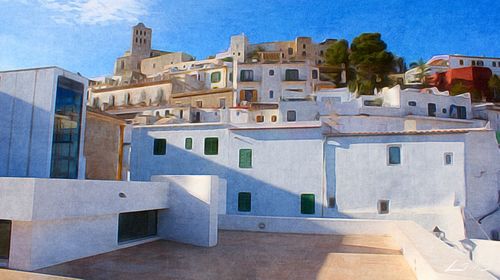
x: 250, y: 255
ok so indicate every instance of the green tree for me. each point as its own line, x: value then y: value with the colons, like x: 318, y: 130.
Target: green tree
x: 494, y: 85
x: 337, y: 55
x: 371, y: 62
x: 457, y: 88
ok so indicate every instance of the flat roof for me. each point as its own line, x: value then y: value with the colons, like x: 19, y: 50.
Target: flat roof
x: 408, y: 132
x: 250, y: 255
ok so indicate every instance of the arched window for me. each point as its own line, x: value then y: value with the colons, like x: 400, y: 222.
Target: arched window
x: 122, y: 64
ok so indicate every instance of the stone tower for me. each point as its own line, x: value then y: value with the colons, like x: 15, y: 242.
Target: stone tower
x: 141, y: 41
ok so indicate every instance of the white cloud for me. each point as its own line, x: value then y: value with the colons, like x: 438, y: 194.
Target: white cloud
x: 95, y: 11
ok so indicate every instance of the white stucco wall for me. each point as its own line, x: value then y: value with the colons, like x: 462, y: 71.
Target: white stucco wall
x: 27, y: 102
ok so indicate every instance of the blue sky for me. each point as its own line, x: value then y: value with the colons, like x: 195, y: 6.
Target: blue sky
x: 87, y: 35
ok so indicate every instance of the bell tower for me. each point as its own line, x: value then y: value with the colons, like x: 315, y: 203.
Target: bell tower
x: 141, y: 41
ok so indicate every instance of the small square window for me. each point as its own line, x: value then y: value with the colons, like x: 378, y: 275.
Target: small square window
x: 160, y: 147
x: 383, y: 206
x: 259, y: 119
x: 246, y: 75
x: 412, y: 103
x: 394, y: 155
x: 448, y: 158
x: 188, y: 144
x: 215, y: 77
x: 245, y: 160
x: 271, y: 72
x: 291, y: 116
x: 274, y: 118
x: 307, y: 203
x: 291, y: 75
x: 271, y: 94
x: 211, y: 146
x: 244, y: 202
x: 199, y: 104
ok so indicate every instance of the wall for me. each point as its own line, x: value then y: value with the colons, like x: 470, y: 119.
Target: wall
x: 209, y: 99
x: 27, y: 102
x: 193, y: 208
x: 146, y: 94
x: 52, y: 218
x: 275, y: 185
x: 103, y: 146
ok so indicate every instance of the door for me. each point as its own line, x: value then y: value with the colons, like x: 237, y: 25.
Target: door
x: 431, y: 110
x: 5, y: 229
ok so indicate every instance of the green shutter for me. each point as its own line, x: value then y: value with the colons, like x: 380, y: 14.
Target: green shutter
x: 160, y: 147
x: 244, y: 202
x: 307, y: 203
x: 245, y: 158
x: 211, y: 146
x: 188, y: 145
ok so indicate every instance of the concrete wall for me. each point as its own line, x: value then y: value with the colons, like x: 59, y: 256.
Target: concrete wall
x: 429, y: 257
x: 192, y: 214
x: 27, y: 102
x: 285, y: 163
x: 485, y: 254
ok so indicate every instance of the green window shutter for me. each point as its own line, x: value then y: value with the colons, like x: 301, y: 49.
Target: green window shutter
x: 394, y: 155
x: 244, y: 202
x: 245, y: 158
x: 211, y: 146
x: 215, y: 77
x: 160, y: 147
x: 307, y: 203
x: 188, y: 145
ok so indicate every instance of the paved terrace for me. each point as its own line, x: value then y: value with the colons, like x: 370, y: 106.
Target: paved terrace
x: 249, y: 255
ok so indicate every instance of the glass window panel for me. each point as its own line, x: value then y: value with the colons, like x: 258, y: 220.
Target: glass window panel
x: 136, y: 225
x: 188, y: 144
x: 244, y: 202
x: 307, y: 203
x: 211, y: 146
x: 160, y: 147
x: 394, y: 155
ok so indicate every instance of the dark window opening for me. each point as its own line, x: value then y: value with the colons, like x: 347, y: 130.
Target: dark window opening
x: 137, y: 225
x: 188, y: 144
x: 394, y: 155
x: 259, y: 119
x: 5, y: 231
x: 412, y: 103
x: 383, y: 206
x: 244, y: 202
x: 292, y: 75
x: 431, y: 109
x: 246, y: 75
x: 307, y: 203
x: 331, y: 202
x: 448, y: 158
x: 290, y: 51
x: 274, y: 118
x: 314, y: 74
x: 271, y: 72
x: 291, y: 116
x: 271, y: 94
x: 304, y: 53
x: 160, y: 147
x: 211, y: 146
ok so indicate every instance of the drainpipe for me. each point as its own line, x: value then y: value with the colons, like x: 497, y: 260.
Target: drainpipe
x: 323, y: 179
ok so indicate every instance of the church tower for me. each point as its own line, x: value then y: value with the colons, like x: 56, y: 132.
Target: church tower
x: 141, y: 41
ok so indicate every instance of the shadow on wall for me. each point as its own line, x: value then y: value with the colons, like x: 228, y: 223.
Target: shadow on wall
x: 24, y: 138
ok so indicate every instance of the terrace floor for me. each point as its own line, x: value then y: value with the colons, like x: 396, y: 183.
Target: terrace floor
x: 249, y: 255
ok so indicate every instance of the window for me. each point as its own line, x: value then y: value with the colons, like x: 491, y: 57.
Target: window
x: 136, y: 225
x: 292, y: 75
x: 167, y: 112
x: 160, y: 147
x: 181, y: 114
x: 321, y: 53
x: 211, y: 146
x: 291, y: 116
x: 461, y: 112
x: 259, y: 118
x: 215, y: 77
x: 274, y: 118
x: 331, y: 202
x: 431, y: 110
x: 394, y: 155
x: 444, y: 110
x: 271, y: 72
x: 383, y: 206
x: 473, y: 63
x: 245, y: 158
x: 314, y: 74
x: 448, y: 158
x: 222, y: 103
x: 412, y: 103
x: 5, y: 229
x: 303, y: 46
x: 307, y: 203
x: 248, y: 95
x: 188, y: 144
x: 231, y: 76
x: 480, y: 63
x: 66, y: 131
x: 199, y: 103
x: 304, y: 53
x: 246, y: 75
x: 271, y: 94
x: 290, y: 51
x: 244, y: 202
x: 461, y: 62
x: 494, y: 64
x: 122, y: 64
